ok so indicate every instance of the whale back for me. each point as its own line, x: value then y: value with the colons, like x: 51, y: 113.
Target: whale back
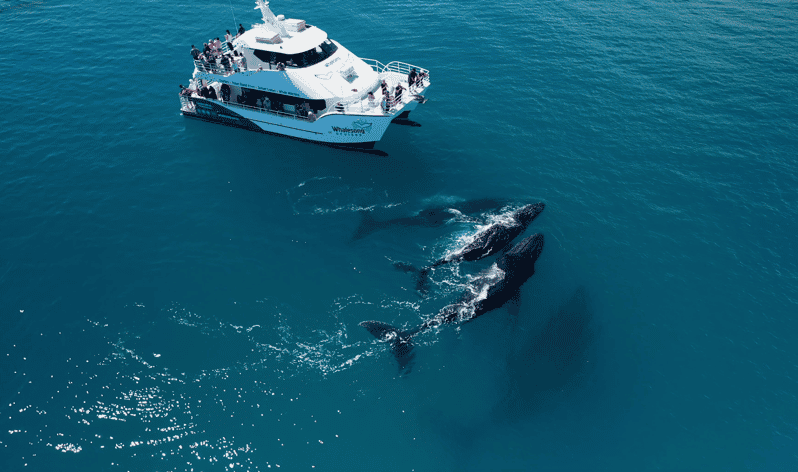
x: 522, y: 255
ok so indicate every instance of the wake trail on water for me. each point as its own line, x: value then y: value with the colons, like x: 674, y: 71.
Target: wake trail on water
x: 330, y: 194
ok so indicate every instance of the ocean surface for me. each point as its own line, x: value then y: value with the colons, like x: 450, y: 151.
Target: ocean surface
x: 182, y: 296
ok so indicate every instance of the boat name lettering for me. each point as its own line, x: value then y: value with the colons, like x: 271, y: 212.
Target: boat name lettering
x: 332, y: 62
x: 348, y: 130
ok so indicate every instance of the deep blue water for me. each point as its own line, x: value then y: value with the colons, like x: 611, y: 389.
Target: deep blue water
x: 177, y: 295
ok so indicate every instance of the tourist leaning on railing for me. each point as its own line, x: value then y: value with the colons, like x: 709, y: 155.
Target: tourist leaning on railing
x: 398, y: 93
x: 421, y: 78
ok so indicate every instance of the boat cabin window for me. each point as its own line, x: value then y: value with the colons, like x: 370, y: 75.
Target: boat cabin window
x: 304, y: 59
x: 277, y: 101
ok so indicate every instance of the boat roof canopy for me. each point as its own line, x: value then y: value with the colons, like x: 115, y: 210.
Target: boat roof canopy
x: 266, y: 39
x: 281, y: 35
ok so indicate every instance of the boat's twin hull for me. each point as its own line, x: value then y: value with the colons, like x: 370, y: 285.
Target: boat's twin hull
x: 348, y: 130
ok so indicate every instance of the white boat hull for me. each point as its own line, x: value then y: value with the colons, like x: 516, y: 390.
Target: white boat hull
x: 335, y: 129
x: 348, y: 130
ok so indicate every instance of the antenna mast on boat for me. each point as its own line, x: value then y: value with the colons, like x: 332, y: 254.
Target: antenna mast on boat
x: 268, y: 16
x: 234, y: 15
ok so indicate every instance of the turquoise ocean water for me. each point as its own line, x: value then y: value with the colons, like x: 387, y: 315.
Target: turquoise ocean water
x: 177, y: 295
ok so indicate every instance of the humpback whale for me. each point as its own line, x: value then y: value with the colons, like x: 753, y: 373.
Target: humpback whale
x: 430, y: 217
x: 487, y: 242
x: 490, y: 290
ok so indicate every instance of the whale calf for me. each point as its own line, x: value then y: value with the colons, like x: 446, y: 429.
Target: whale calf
x: 490, y: 290
x: 487, y: 242
x: 430, y: 217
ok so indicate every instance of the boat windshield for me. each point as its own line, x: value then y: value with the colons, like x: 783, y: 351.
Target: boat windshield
x: 303, y: 59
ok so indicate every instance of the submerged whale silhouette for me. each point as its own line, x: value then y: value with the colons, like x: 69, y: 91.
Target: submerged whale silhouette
x: 487, y: 242
x: 490, y: 290
x: 428, y: 218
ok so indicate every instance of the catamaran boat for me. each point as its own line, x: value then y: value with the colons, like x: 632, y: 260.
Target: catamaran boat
x: 286, y: 77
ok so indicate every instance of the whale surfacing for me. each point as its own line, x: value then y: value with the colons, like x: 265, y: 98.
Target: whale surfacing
x: 490, y: 290
x: 487, y: 242
x: 430, y: 217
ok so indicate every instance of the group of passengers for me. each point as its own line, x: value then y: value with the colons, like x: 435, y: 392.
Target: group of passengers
x: 263, y: 102
x: 205, y: 91
x: 391, y: 100
x: 221, y: 62
x: 302, y: 110
x: 388, y: 101
x: 213, y: 58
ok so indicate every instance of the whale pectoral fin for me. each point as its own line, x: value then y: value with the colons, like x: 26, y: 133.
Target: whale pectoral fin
x: 513, y: 307
x: 423, y: 283
x: 514, y: 304
x: 405, y: 267
x: 367, y: 226
x: 421, y: 276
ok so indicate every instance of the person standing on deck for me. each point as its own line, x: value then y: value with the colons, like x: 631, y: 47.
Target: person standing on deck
x: 228, y: 38
x: 225, y: 62
x: 206, y: 66
x: 386, y: 102
x: 398, y: 93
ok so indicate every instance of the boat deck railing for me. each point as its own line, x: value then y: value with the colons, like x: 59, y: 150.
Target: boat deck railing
x: 394, y: 66
x: 402, y: 68
x: 361, y: 107
x: 285, y: 114
x: 218, y: 69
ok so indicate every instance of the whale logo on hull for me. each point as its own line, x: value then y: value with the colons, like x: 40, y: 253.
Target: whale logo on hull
x: 361, y: 124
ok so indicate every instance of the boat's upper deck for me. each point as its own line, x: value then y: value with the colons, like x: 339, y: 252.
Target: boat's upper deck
x: 280, y: 35
x: 289, y: 61
x: 267, y: 37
